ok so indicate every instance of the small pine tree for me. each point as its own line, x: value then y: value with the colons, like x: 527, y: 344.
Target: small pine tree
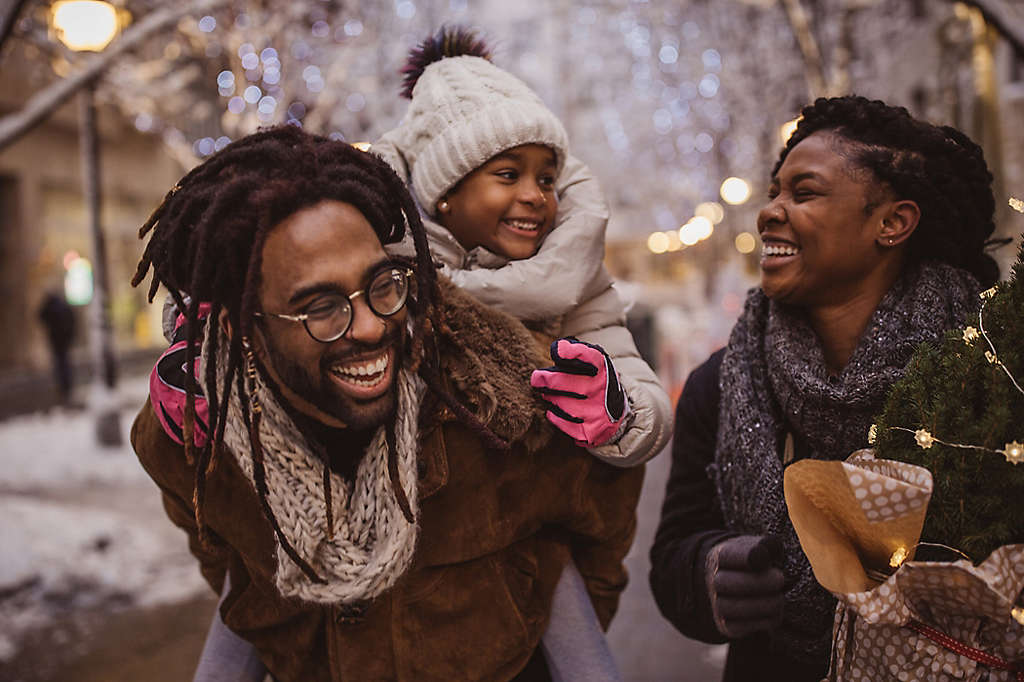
x: 956, y: 394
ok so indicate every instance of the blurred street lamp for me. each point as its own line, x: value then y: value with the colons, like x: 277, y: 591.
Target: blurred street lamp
x: 90, y: 25
x: 735, y: 190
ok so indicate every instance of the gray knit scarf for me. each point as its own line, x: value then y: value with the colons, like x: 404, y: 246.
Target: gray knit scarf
x: 774, y: 381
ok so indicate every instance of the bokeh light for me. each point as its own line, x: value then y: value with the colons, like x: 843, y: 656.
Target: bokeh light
x: 735, y: 190
x: 658, y: 242
x: 745, y: 242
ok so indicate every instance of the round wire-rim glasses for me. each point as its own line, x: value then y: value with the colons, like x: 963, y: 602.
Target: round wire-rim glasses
x: 329, y: 316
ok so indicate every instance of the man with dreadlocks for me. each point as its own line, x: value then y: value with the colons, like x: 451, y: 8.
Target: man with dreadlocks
x: 378, y: 489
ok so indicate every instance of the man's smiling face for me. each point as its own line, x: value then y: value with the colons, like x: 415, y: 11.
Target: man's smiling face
x: 329, y: 249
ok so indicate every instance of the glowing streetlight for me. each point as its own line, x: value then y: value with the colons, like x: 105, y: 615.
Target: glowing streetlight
x: 735, y: 190
x: 90, y: 25
x: 84, y: 25
x: 745, y: 242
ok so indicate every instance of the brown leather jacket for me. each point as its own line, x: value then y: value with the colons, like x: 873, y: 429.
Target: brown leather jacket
x: 496, y: 531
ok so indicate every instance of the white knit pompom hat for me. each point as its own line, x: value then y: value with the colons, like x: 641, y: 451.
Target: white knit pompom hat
x: 464, y: 111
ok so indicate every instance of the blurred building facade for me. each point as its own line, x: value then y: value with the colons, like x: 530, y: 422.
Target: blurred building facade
x: 44, y: 222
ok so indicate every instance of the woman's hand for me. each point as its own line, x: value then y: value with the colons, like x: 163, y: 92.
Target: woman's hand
x: 585, y: 397
x: 745, y: 584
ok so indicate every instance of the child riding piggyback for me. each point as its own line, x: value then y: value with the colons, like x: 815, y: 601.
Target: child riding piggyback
x: 520, y: 224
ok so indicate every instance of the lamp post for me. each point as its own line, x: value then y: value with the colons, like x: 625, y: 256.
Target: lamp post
x: 90, y: 25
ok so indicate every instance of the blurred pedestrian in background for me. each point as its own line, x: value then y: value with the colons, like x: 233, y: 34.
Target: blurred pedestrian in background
x: 58, y: 318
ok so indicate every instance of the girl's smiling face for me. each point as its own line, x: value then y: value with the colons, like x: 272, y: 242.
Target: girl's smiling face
x: 506, y: 205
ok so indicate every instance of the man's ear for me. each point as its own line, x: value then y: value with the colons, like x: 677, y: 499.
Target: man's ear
x: 899, y: 222
x: 225, y: 323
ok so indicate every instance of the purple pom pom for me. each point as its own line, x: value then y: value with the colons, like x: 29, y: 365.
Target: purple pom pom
x: 449, y: 41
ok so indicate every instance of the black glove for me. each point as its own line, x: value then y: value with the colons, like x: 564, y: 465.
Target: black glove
x: 745, y: 584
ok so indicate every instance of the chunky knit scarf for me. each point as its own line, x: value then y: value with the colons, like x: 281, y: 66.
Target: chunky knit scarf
x: 774, y: 382
x: 373, y: 543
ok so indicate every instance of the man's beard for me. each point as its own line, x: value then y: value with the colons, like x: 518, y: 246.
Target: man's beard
x: 321, y: 392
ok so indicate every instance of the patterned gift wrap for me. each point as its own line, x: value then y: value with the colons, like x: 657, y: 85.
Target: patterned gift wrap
x: 927, y: 620
x: 935, y: 621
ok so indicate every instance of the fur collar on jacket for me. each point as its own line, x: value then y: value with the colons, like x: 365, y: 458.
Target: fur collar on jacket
x: 486, y: 357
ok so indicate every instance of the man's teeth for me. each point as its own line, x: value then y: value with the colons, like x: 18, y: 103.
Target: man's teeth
x: 371, y: 368
x: 526, y: 225
x: 772, y: 250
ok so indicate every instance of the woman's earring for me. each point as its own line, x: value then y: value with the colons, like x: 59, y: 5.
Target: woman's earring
x: 442, y: 206
x: 890, y: 241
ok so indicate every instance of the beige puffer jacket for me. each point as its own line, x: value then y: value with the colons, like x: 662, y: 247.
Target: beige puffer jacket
x: 563, y: 288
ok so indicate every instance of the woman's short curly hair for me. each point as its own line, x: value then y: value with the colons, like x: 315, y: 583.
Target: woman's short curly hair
x: 938, y: 167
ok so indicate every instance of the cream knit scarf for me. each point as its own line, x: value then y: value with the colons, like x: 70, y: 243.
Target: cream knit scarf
x: 373, y: 543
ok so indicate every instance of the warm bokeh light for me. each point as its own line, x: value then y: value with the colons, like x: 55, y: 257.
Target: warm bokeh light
x: 745, y: 242
x: 674, y: 243
x: 712, y: 210
x: 702, y: 226
x: 362, y: 146
x: 787, y: 129
x: 84, y: 25
x: 735, y: 190
x: 689, y: 233
x: 658, y: 242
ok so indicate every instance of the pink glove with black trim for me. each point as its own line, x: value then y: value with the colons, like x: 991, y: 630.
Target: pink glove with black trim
x: 583, y: 391
x: 167, y: 384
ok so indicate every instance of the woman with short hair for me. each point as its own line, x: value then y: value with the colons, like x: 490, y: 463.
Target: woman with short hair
x: 874, y: 240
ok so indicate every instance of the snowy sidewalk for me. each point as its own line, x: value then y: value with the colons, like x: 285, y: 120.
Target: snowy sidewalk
x: 81, y: 527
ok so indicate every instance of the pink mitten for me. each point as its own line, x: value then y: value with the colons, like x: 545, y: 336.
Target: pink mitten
x: 167, y: 385
x: 585, y: 397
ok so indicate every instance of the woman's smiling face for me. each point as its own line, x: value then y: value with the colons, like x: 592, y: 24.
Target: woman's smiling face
x: 820, y: 228
x: 506, y: 205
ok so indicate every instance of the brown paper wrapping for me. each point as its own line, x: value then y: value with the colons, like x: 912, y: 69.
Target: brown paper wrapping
x: 830, y: 505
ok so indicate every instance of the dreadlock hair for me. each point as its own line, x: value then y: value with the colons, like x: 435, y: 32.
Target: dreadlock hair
x: 449, y: 41
x: 207, y: 244
x: 938, y: 167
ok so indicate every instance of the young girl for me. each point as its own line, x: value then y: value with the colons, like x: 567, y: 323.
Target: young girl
x: 517, y: 222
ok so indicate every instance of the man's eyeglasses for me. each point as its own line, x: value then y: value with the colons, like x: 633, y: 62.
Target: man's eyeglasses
x: 329, y: 317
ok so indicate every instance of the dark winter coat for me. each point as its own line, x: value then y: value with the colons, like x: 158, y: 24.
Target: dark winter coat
x: 691, y: 524
x: 496, y: 531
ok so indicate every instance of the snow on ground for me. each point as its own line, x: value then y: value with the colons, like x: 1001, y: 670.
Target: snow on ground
x: 81, y: 525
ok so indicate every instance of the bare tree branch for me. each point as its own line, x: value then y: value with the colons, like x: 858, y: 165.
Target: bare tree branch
x: 45, y: 102
x: 9, y: 11
x: 814, y: 69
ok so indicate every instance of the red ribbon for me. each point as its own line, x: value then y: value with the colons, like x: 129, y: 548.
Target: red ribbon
x: 983, y: 657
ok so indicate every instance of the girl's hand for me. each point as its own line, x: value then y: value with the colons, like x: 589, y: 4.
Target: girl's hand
x: 585, y: 398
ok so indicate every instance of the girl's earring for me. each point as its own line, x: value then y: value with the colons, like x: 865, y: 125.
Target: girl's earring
x: 442, y: 206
